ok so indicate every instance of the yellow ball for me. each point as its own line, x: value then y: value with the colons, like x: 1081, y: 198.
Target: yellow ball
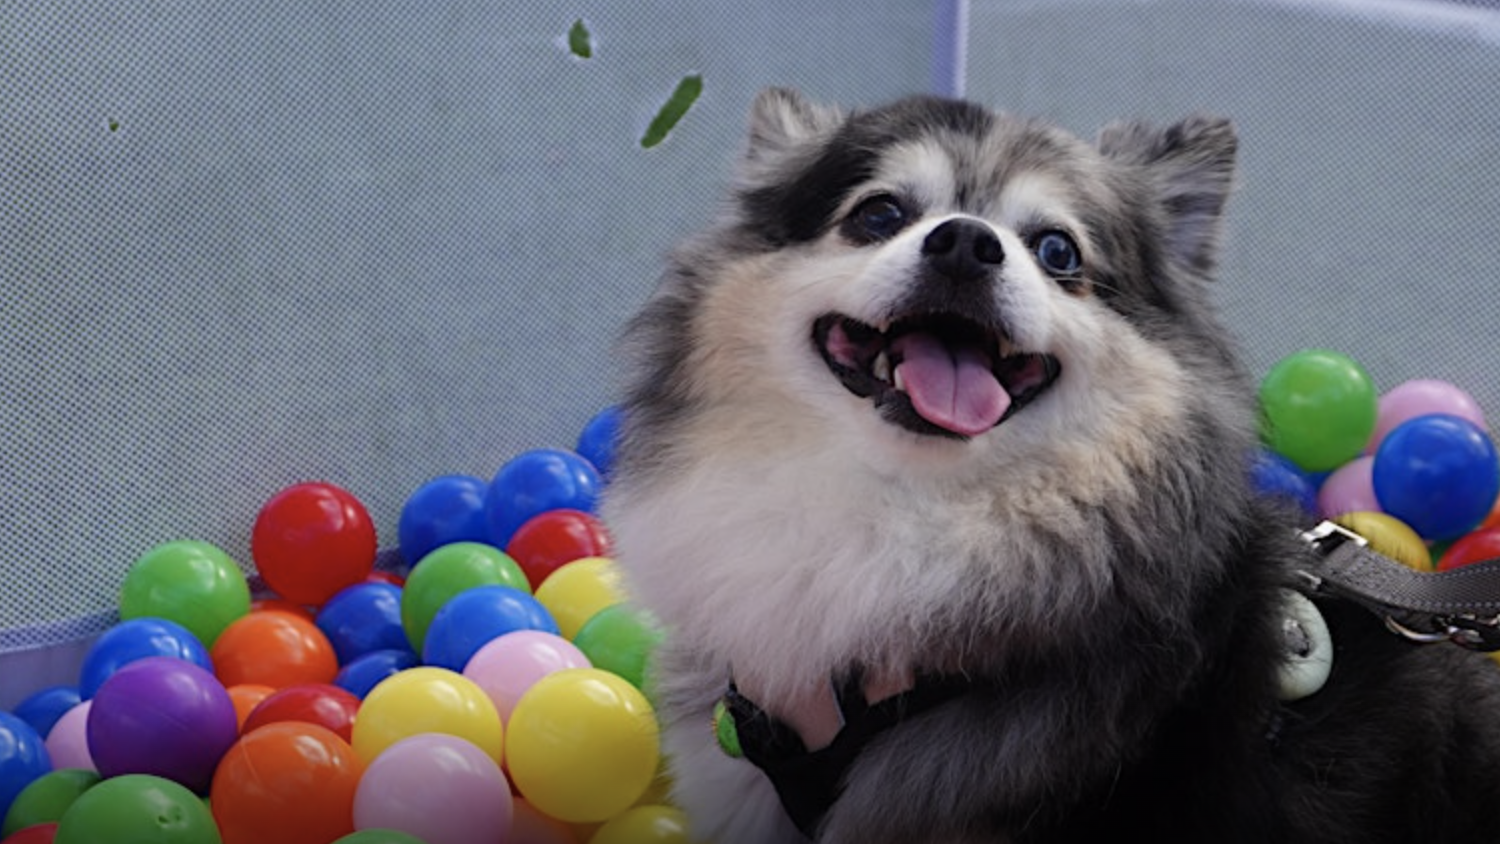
x: 582, y: 745
x: 644, y: 825
x: 1390, y: 536
x: 427, y: 700
x: 574, y: 592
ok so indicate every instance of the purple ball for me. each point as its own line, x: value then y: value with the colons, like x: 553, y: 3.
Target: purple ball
x: 162, y: 716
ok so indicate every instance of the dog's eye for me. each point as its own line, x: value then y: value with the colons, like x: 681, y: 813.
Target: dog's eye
x: 1057, y: 253
x: 877, y: 218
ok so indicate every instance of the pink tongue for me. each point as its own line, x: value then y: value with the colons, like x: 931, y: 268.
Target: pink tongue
x: 951, y: 388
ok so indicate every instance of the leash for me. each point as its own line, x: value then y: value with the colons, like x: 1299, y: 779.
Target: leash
x: 1461, y: 605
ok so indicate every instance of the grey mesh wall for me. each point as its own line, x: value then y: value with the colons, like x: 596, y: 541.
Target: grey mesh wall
x: 244, y: 245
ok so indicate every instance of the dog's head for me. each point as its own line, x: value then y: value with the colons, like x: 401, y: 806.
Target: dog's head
x: 932, y: 279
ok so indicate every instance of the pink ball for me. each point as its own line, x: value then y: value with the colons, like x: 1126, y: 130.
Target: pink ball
x: 68, y: 740
x: 508, y: 665
x: 1350, y: 489
x: 1420, y: 397
x: 439, y: 788
x: 531, y: 826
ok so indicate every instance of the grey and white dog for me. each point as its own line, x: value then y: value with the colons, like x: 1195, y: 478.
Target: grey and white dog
x: 933, y: 468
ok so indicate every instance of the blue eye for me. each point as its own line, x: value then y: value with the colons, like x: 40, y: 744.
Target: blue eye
x: 875, y: 219
x: 1057, y: 253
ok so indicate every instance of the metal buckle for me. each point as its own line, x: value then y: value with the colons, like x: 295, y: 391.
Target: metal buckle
x: 1466, y: 631
x: 1326, y: 536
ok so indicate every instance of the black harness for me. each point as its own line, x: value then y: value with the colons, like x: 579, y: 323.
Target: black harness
x: 1460, y: 606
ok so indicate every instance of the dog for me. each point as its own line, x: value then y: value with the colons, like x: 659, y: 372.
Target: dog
x: 932, y: 467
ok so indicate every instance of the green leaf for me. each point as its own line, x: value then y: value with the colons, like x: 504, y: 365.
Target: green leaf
x: 580, y: 43
x: 672, y: 110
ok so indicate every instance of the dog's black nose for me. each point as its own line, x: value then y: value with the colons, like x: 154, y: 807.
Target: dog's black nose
x: 963, y: 249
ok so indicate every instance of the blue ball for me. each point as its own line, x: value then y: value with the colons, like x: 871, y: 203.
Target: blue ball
x: 446, y: 509
x: 534, y: 482
x: 136, y: 639
x: 42, y: 708
x: 1277, y: 477
x: 1438, y: 473
x: 477, y: 615
x: 366, y: 672
x: 23, y: 758
x: 596, y: 443
x: 362, y: 618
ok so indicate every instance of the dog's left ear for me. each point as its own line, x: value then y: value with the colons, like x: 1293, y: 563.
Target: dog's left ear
x: 1190, y: 168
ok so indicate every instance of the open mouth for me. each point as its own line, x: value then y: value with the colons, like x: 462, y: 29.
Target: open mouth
x: 939, y: 374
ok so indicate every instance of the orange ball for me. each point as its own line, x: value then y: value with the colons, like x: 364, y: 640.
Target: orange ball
x: 245, y: 697
x: 273, y: 648
x: 289, y: 782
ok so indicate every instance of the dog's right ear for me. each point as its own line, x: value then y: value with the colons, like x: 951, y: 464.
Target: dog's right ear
x: 781, y: 120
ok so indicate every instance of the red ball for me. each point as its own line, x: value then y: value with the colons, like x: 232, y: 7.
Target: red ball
x: 288, y: 782
x: 309, y: 703
x: 273, y: 648
x: 1472, y: 547
x: 554, y: 538
x: 311, y: 540
x: 42, y: 833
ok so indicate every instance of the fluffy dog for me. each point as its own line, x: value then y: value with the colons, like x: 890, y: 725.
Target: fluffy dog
x: 933, y: 468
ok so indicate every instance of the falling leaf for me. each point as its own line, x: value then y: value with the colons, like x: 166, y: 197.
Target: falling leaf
x: 580, y: 43
x: 672, y: 111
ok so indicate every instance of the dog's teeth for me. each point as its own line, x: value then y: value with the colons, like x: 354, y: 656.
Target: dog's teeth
x: 881, y: 368
x: 897, y: 381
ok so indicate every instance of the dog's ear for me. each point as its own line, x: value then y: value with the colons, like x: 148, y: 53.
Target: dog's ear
x: 1190, y: 169
x: 782, y: 120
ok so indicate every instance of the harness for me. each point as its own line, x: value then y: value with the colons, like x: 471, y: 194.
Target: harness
x: 1461, y: 606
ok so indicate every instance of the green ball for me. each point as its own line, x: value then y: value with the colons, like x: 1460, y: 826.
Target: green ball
x: 190, y: 582
x: 46, y: 798
x: 379, y: 836
x: 446, y: 571
x: 621, y: 640
x: 1317, y: 409
x: 138, y: 809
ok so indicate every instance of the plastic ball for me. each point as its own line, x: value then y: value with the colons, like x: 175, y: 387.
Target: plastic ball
x: 362, y: 618
x: 282, y: 605
x: 583, y: 745
x: 68, y: 740
x: 23, y: 758
x: 47, y: 798
x: 509, y: 665
x: 42, y: 833
x: 549, y: 540
x: 385, y: 836
x: 427, y: 700
x: 275, y: 649
x: 650, y: 824
x: 367, y: 672
x: 1317, y: 409
x: 323, y: 704
x: 446, y: 572
x: 620, y: 640
x: 446, y: 509
x: 1439, y: 474
x: 578, y: 590
x: 245, y: 697
x: 136, y: 639
x: 438, y: 787
x: 596, y: 442
x: 476, y: 616
x: 1349, y: 489
x: 311, y: 540
x: 164, y: 717
x: 1421, y: 397
x: 530, y: 826
x: 1276, y: 476
x: 1390, y: 536
x: 138, y: 809
x: 1473, y: 547
x: 288, y: 782
x: 192, y: 583
x: 534, y: 482
x: 43, y: 707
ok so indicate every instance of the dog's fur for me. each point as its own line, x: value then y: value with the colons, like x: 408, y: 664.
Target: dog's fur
x: 1095, y: 564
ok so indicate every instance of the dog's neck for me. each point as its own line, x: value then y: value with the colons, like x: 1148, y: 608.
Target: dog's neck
x: 814, y: 712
